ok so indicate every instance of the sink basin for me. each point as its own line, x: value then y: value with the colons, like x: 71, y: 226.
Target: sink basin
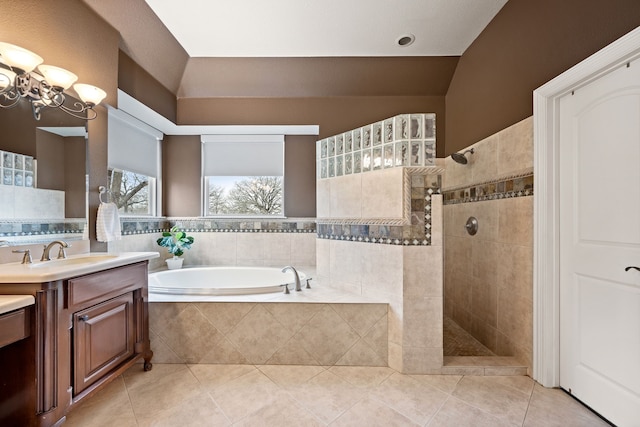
x: 75, y: 265
x: 89, y: 259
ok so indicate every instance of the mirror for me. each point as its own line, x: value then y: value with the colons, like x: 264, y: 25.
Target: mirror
x: 43, y: 177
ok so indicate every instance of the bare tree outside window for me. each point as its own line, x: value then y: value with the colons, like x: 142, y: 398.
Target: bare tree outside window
x: 217, y: 200
x: 253, y: 195
x: 129, y: 191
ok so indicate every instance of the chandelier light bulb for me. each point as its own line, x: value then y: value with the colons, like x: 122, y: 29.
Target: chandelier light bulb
x: 57, y: 77
x: 7, y: 77
x: 15, y: 56
x: 89, y: 94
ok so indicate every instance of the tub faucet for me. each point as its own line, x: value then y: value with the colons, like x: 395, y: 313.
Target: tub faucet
x: 61, y: 252
x: 295, y: 274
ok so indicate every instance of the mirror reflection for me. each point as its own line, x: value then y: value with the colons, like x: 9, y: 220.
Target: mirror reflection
x: 43, y: 178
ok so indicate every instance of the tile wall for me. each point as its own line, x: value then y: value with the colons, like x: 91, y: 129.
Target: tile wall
x: 380, y: 236
x: 29, y: 202
x: 488, y: 277
x: 226, y: 242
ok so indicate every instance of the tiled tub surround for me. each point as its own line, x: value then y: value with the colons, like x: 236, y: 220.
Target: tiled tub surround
x: 298, y: 331
x: 226, y: 242
x: 488, y: 276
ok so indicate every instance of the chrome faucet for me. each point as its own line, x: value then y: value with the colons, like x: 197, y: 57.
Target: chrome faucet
x: 61, y: 252
x: 295, y: 273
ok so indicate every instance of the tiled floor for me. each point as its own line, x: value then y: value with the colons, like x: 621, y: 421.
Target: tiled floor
x: 278, y: 395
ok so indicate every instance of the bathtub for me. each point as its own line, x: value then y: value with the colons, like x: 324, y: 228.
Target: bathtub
x: 221, y: 281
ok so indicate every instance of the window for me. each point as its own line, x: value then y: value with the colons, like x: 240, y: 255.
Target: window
x: 134, y: 164
x: 243, y: 175
x: 133, y: 193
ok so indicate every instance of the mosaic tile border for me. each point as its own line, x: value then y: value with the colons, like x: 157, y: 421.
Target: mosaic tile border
x: 517, y: 186
x: 26, y: 228
x: 209, y: 225
x: 418, y: 233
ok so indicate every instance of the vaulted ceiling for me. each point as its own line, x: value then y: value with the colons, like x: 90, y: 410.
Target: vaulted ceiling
x: 295, y: 48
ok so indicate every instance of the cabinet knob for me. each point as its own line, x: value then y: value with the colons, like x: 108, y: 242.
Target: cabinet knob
x: 633, y: 266
x: 83, y: 318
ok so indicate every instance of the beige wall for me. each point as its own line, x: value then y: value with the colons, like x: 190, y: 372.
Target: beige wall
x: 488, y: 276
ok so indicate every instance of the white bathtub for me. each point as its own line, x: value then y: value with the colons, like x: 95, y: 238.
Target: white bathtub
x: 222, y: 281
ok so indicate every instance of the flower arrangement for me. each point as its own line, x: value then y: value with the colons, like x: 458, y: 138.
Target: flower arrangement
x: 175, y: 241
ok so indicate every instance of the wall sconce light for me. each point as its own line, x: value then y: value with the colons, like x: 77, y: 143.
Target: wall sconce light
x: 45, y: 88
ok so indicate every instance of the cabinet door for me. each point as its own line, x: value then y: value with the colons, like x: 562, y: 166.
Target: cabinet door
x: 104, y: 337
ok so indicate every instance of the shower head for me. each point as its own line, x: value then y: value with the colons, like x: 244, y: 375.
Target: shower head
x: 460, y: 157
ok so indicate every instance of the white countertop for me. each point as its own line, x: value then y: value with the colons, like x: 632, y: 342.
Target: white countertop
x: 13, y: 302
x: 75, y: 265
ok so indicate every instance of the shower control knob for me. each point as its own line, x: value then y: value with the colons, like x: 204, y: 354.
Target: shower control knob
x: 472, y: 225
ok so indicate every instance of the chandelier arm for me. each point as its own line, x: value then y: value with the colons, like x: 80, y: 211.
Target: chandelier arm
x: 80, y: 109
x: 12, y: 99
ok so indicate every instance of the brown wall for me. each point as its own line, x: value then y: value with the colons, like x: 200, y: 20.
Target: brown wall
x: 19, y: 127
x: 333, y: 114
x: 83, y: 43
x: 181, y: 160
x: 97, y: 170
x: 300, y: 176
x: 18, y: 130
x: 141, y: 85
x: 75, y: 182
x: 181, y: 168
x: 527, y: 44
x: 50, y: 157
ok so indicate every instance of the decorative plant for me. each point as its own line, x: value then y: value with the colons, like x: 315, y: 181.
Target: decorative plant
x: 175, y: 241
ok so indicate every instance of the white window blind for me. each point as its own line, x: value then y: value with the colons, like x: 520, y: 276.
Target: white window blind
x: 133, y: 145
x: 243, y: 155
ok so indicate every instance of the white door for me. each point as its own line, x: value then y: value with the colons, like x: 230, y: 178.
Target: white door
x: 599, y: 238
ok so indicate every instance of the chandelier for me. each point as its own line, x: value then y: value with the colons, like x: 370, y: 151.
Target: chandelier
x: 44, y: 88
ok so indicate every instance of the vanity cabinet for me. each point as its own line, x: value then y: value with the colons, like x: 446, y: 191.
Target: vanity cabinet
x: 86, y: 330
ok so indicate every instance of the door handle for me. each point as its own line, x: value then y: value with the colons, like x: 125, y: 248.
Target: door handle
x: 632, y: 266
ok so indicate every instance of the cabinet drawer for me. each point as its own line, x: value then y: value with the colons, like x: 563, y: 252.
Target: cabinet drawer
x: 14, y: 326
x: 97, y: 287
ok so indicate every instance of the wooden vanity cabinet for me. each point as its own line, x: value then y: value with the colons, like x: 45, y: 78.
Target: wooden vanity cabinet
x: 87, y: 331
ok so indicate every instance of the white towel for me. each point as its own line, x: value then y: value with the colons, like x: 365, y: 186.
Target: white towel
x: 108, y: 223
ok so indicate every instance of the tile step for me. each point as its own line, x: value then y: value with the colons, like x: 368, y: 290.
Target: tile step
x: 483, y: 366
